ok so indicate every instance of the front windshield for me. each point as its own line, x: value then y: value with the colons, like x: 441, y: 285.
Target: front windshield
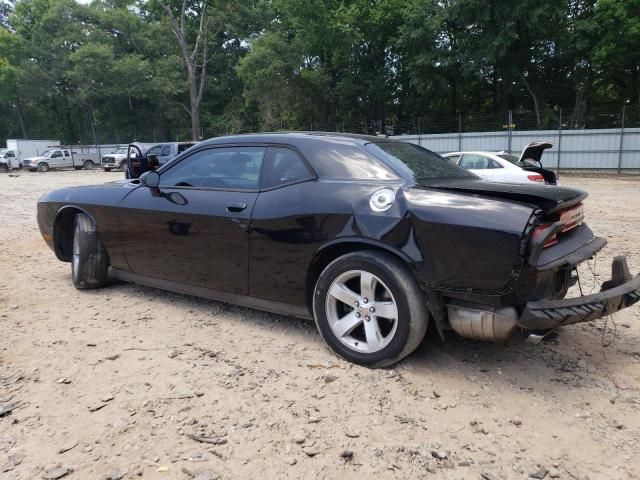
x: 120, y: 150
x: 509, y: 158
x: 45, y: 153
x: 416, y: 163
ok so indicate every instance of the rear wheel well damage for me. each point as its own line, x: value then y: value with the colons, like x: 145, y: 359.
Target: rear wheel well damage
x: 331, y: 252
x: 63, y: 233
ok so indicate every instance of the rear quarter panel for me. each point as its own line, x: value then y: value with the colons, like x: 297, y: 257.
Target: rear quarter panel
x: 100, y: 202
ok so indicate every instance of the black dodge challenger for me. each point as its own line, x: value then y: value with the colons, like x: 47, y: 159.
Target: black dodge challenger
x: 371, y: 238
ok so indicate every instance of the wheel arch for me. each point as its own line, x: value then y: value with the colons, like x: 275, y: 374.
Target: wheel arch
x: 63, y: 230
x: 336, y: 248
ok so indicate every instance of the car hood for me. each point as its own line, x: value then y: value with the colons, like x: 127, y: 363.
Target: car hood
x: 549, y: 198
x: 36, y: 158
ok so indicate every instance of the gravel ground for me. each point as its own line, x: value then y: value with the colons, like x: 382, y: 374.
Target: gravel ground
x: 130, y: 382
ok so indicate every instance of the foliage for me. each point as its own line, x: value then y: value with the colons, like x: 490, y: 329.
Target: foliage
x: 112, y: 70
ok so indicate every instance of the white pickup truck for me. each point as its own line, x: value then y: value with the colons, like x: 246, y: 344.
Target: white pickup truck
x: 60, y: 158
x: 8, y: 160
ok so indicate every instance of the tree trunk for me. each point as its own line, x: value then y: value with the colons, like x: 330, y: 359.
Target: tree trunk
x: 534, y: 97
x: 194, y: 111
x: 190, y: 56
x: 23, y: 124
x: 92, y: 124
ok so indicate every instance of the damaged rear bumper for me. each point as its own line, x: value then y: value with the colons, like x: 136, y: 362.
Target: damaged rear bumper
x: 483, y: 322
x: 620, y: 292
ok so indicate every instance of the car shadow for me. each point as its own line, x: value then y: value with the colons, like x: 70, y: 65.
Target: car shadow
x: 574, y: 358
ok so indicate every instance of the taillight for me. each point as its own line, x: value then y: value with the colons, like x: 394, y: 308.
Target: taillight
x: 536, y: 178
x: 539, y: 230
x: 570, y: 219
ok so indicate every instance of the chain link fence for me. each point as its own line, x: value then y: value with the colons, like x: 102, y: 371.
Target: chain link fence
x: 583, y: 139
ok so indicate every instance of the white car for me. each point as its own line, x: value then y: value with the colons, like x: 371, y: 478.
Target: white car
x: 506, y: 167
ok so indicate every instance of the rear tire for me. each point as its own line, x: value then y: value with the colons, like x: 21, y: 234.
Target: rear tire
x: 89, y: 261
x: 354, y: 325
x: 88, y: 165
x: 107, y: 169
x: 4, y: 168
x: 43, y: 167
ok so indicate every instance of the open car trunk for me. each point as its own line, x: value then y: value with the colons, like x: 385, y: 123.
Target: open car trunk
x: 530, y: 160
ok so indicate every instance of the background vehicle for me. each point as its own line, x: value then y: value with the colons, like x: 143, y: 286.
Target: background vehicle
x: 8, y: 160
x: 54, y: 158
x: 144, y: 156
x: 29, y: 148
x: 167, y: 151
x: 84, y: 156
x: 115, y: 160
x: 60, y: 158
x: 370, y: 237
x: 506, y: 167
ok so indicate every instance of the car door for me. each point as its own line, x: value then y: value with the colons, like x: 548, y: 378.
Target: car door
x: 56, y: 160
x: 482, y: 166
x: 194, y: 228
x: 284, y: 235
x: 67, y: 159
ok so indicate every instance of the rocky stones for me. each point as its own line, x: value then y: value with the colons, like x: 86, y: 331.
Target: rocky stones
x: 439, y: 454
x: 115, y: 474
x: 347, y: 455
x: 8, y: 407
x: 67, y: 447
x: 351, y: 433
x: 539, y: 474
x: 56, y: 472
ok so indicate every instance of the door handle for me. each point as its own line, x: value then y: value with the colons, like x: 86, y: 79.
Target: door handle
x: 236, y: 207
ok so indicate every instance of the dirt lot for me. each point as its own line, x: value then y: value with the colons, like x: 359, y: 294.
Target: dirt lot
x: 123, y: 382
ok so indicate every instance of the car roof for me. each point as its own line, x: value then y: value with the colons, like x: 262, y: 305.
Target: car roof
x: 297, y: 137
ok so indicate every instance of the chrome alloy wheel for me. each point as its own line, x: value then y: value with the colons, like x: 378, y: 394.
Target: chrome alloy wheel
x: 361, y: 311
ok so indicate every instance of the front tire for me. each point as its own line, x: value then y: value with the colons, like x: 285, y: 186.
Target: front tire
x: 89, y: 262
x: 107, y: 169
x: 43, y: 167
x: 370, y: 309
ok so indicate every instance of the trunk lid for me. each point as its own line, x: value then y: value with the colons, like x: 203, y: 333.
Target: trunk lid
x: 547, y: 198
x: 533, y: 152
x: 531, y: 161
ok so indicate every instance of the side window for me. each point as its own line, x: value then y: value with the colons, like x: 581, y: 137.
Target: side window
x: 66, y: 153
x: 453, y: 158
x: 494, y: 164
x: 474, y: 162
x: 283, y: 165
x: 154, y: 151
x: 234, y: 168
x: 166, y: 150
x: 10, y: 154
x: 56, y: 154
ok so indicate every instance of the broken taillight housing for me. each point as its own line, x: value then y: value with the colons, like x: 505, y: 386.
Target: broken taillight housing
x: 571, y: 218
x: 539, y: 230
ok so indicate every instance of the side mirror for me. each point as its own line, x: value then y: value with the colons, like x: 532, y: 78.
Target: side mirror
x: 150, y: 179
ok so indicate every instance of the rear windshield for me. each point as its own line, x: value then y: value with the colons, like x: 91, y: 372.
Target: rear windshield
x: 416, y: 163
x: 509, y: 158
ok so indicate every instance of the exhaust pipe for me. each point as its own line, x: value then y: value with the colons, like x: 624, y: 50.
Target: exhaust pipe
x: 491, y: 324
